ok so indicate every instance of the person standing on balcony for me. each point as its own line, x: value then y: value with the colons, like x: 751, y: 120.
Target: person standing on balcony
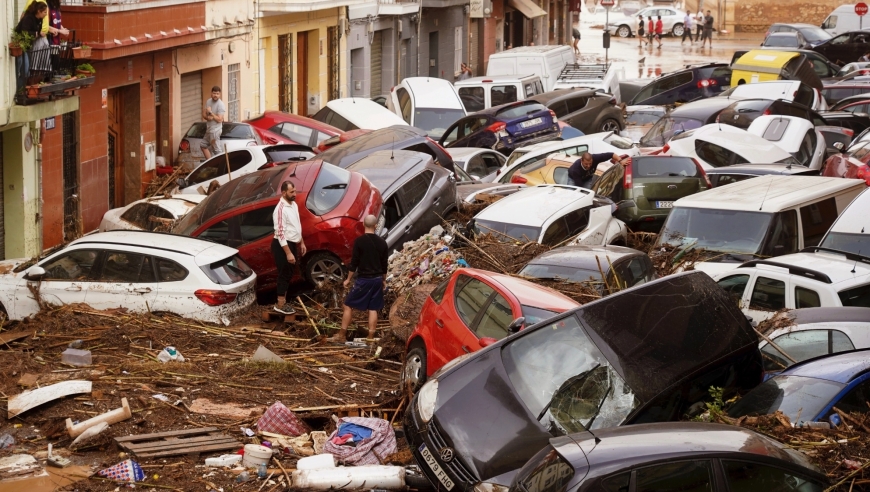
x: 213, y: 113
x: 45, y: 21
x: 31, y: 23
x: 55, y: 23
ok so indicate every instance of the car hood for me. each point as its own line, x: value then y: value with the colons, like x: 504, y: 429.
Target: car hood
x: 713, y: 268
x: 7, y: 267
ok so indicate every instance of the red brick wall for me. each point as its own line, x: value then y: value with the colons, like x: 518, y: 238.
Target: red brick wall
x: 52, y: 184
x: 490, y: 31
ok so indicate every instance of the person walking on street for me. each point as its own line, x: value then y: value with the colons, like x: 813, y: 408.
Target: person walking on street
x: 687, y: 28
x: 659, y: 28
x: 708, y: 30
x: 582, y: 172
x: 640, y: 32
x: 213, y: 113
x: 699, y: 25
x: 575, y: 33
x: 651, y: 31
x: 287, y: 244
x: 369, y: 266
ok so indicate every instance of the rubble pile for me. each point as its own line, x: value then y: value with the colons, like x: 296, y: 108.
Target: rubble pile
x: 490, y: 252
x: 423, y: 261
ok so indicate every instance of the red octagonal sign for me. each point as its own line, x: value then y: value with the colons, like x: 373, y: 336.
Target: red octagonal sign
x: 611, y: 3
x: 861, y: 8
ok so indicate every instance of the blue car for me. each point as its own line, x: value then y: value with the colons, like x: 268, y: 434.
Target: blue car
x: 504, y: 128
x: 688, y: 84
x: 809, y: 391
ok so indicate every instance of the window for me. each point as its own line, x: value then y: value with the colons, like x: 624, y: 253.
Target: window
x: 577, y: 220
x: 328, y: 189
x: 803, y: 345
x: 782, y: 235
x: 424, y: 149
x: 841, y: 39
x: 502, y: 94
x: 735, y: 285
x: 471, y: 298
x: 619, y: 483
x: 556, y: 232
x: 120, y: 266
x: 145, y: 215
x: 539, y: 87
x: 609, y: 184
x: 472, y: 98
x: 415, y: 189
x: 636, y: 271
x: 475, y: 167
x: 492, y: 162
x: 855, y: 400
x: 577, y: 103
x: 437, y: 294
x: 657, y: 167
x: 560, y: 108
x: 552, y: 474
x: 495, y: 319
x: 560, y: 176
x: 243, y: 228
x: 298, y: 133
x: 458, y: 43
x: 775, y: 130
x: 170, y: 271
x: 717, y: 156
x: 393, y: 211
x: 683, y: 476
x: 529, y: 89
x: 404, y: 104
x: 227, y: 271
x: 858, y: 296
x: 806, y: 298
x: 768, y: 294
x: 830, y: 22
x: 217, y: 167
x: 725, y: 179
x: 744, y: 476
x: 816, y: 219
x: 75, y: 265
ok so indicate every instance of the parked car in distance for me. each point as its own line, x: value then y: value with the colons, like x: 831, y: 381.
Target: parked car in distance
x: 355, y: 113
x: 639, y: 119
x: 399, y: 137
x: 551, y: 215
x: 853, y: 121
x: 481, y: 164
x: 546, y: 61
x: 851, y: 231
x: 853, y: 104
x: 795, y: 135
x: 844, y: 48
x: 528, y: 385
x: 794, y: 40
x: 808, y: 391
x: 672, y: 21
x: 332, y: 203
x: 155, y: 214
x: 504, y: 128
x: 788, y: 90
x: 471, y: 310
x: 598, y: 77
x: 718, y: 145
x: 721, y: 176
x: 237, y: 163
x: 645, y: 190
x: 835, y: 90
x: 417, y: 193
x: 233, y: 136
x: 280, y: 127
x: 772, y: 65
x: 684, y: 458
x: 757, y: 218
x: 854, y: 68
x: 479, y: 93
x: 584, y: 109
x: 430, y: 104
x: 812, y: 34
x: 685, y: 85
x: 622, y: 267
x: 140, y: 271
x: 684, y: 118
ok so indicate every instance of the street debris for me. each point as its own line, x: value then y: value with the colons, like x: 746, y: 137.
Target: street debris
x: 265, y: 355
x: 361, y: 441
x: 281, y: 420
x: 423, y: 261
x: 76, y: 357
x: 125, y: 471
x: 170, y: 354
x: 113, y: 417
x: 175, y: 443
x: 350, y: 478
x: 34, y: 398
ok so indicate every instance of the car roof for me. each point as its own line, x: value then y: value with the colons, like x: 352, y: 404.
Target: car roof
x: 494, y: 79
x: 464, y: 153
x: 583, y: 256
x: 834, y: 266
x: 178, y: 204
x: 533, y: 206
x: 734, y: 139
x: 793, y: 24
x: 389, y: 136
x: 854, y: 219
x: 365, y: 113
x: 528, y: 293
x: 531, y: 49
x: 550, y: 96
x: 841, y: 367
x: 790, y: 34
x: 385, y: 167
x: 770, y: 193
x: 301, y: 120
x: 704, y: 107
x: 839, y: 314
x: 204, y: 252
x: 759, y: 169
x: 432, y: 92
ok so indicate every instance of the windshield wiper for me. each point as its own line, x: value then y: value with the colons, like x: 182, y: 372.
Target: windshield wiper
x: 568, y: 382
x: 598, y: 410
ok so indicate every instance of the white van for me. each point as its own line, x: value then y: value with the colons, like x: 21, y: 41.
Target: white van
x: 544, y: 61
x: 762, y: 217
x: 479, y: 93
x: 844, y: 19
x: 851, y: 231
x: 428, y: 103
x: 356, y: 113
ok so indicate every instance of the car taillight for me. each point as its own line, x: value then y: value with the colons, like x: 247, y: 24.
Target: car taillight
x: 184, y: 146
x: 666, y: 148
x: 850, y: 133
x: 266, y: 166
x: 706, y: 83
x: 703, y: 173
x: 553, y: 114
x: 518, y: 179
x: 215, y: 297
x: 766, y: 112
x: 626, y: 178
x: 497, y: 127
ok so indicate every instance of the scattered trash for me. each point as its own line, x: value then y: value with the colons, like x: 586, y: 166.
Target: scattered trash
x: 179, y: 442
x: 33, y: 398
x: 88, y: 434
x: 76, y: 357
x: 255, y: 454
x: 423, y: 261
x: 316, y: 462
x: 161, y: 397
x: 243, y: 477
x: 56, y: 460
x: 76, y: 344
x: 265, y: 355
x: 281, y: 420
x: 170, y: 354
x: 111, y: 417
x: 125, y: 471
x: 224, y: 460
x: 6, y: 441
x: 852, y: 465
x: 369, y: 439
x: 247, y: 432
x: 19, y: 466
x: 232, y: 410
x: 261, y: 471
x: 350, y: 478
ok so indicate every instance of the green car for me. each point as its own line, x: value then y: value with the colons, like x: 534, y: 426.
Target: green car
x: 645, y: 190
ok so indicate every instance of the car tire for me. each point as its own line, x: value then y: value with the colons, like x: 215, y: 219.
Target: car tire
x: 609, y: 125
x: 677, y: 31
x: 414, y: 369
x: 323, y: 266
x: 623, y: 31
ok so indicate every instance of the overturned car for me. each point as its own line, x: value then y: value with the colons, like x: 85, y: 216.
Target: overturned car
x: 645, y: 354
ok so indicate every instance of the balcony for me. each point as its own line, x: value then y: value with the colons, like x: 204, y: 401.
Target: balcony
x: 288, y: 6
x: 375, y: 8
x: 52, y: 73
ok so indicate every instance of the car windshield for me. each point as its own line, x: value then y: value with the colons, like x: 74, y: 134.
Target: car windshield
x: 666, y: 127
x: 561, y: 272
x: 727, y: 231
x: 782, y: 41
x: 562, y: 378
x: 814, y: 33
x: 515, y: 155
x: 643, y: 117
x: 798, y: 397
x: 501, y: 229
x: 535, y: 315
x: 660, y: 167
x: 328, y: 189
x: 435, y: 121
x: 233, y: 131
x: 850, y: 243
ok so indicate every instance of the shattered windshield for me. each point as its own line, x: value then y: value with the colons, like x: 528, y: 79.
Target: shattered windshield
x: 666, y: 127
x: 564, y: 379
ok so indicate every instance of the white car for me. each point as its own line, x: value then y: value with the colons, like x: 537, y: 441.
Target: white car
x: 356, y: 113
x: 626, y: 26
x: 790, y: 90
x: 430, y: 104
x: 233, y: 136
x: 150, y: 214
x: 851, y: 231
x: 553, y: 215
x: 718, y: 144
x: 795, y: 135
x: 231, y: 165
x: 817, y: 279
x: 139, y: 271
x: 480, y: 164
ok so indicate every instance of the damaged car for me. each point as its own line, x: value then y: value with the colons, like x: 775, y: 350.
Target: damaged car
x: 641, y: 355
x: 156, y: 214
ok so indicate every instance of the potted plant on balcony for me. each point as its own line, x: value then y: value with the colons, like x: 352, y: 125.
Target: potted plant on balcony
x: 21, y: 42
x: 81, y: 52
x: 85, y: 70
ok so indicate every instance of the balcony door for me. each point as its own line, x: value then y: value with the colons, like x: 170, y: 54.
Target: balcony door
x: 302, y: 73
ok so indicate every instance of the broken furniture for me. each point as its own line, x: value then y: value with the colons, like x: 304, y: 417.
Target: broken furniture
x: 180, y: 442
x: 112, y: 417
x: 33, y: 398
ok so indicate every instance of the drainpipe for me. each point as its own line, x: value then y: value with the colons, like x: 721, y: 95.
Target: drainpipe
x: 419, y: 24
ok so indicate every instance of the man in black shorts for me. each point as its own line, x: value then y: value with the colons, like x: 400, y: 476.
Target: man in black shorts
x: 576, y: 35
x: 369, y: 263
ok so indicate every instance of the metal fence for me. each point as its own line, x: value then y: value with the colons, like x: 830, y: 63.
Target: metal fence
x: 45, y: 63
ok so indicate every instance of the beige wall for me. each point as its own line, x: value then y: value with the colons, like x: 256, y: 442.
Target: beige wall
x: 757, y: 15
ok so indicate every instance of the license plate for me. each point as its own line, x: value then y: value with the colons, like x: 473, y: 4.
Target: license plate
x: 531, y: 123
x: 664, y: 204
x: 436, y: 468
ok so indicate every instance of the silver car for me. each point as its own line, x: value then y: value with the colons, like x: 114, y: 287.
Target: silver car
x: 481, y: 164
x: 672, y: 21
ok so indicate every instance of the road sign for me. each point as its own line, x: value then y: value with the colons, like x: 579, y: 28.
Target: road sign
x: 861, y: 8
x: 611, y: 3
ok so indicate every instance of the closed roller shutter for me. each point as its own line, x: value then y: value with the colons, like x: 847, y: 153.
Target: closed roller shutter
x: 191, y: 100
x: 2, y: 212
x: 377, y: 56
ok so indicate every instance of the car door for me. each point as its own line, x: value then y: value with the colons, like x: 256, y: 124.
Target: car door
x: 238, y: 228
x: 175, y: 287
x: 767, y: 295
x: 456, y: 325
x: 836, y: 49
x: 125, y: 279
x: 68, y: 275
x: 415, y: 217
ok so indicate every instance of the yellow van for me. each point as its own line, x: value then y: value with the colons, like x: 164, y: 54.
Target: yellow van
x: 766, y: 65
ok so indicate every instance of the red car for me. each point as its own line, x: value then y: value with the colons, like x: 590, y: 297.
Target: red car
x: 471, y: 310
x: 280, y: 127
x: 848, y: 166
x: 332, y: 203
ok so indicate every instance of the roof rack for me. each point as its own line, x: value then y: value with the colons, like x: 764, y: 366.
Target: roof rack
x: 577, y: 71
x: 847, y: 254
x: 792, y: 270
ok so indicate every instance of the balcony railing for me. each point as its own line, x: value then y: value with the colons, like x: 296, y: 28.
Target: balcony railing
x: 50, y: 73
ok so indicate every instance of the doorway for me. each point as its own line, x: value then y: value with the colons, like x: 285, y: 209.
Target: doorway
x: 124, y: 154
x: 302, y: 73
x: 377, y: 74
x: 161, y: 112
x: 115, y: 158
x: 285, y: 74
x: 71, y: 216
x: 433, y: 54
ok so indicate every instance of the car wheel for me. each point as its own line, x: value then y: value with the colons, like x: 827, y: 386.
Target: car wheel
x: 610, y: 125
x: 678, y: 30
x: 623, y: 31
x: 414, y: 371
x: 323, y: 266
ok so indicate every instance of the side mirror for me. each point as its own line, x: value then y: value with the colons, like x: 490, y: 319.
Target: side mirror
x: 486, y: 341
x: 384, y: 232
x: 516, y: 324
x: 626, y: 204
x: 34, y: 273
x: 181, y: 183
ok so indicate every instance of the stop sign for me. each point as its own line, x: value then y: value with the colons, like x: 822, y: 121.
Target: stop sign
x: 861, y: 8
x: 611, y: 3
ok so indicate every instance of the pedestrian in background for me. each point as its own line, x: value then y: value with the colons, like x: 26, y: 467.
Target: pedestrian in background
x: 687, y: 28
x: 650, y: 31
x: 576, y: 35
x: 369, y: 265
x: 213, y: 113
x: 464, y: 72
x: 699, y: 25
x: 708, y: 29
x: 287, y: 244
x: 659, y: 29
x: 640, y: 32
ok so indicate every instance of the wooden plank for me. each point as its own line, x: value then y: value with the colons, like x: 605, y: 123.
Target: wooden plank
x: 185, y: 432
x: 12, y: 337
x: 176, y: 443
x: 195, y: 449
x: 29, y: 399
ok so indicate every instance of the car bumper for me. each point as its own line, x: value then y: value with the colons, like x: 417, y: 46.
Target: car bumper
x: 419, y: 434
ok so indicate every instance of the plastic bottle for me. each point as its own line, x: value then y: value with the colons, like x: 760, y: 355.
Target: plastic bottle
x: 261, y: 470
x: 243, y: 477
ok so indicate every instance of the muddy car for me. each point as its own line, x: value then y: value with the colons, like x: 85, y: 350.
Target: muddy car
x: 645, y: 354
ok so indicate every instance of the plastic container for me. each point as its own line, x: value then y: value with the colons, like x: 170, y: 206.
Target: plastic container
x: 261, y: 471
x: 168, y: 354
x: 76, y: 357
x: 350, y: 477
x: 225, y: 460
x: 316, y: 462
x: 256, y: 454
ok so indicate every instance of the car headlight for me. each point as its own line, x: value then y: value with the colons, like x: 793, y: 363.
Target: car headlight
x: 426, y: 400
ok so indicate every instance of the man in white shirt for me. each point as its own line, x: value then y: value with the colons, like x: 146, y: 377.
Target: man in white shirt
x: 288, y: 234
x: 687, y: 28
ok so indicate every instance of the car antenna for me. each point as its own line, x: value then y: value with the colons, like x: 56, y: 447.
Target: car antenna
x: 392, y: 148
x: 765, y: 194
x: 856, y: 259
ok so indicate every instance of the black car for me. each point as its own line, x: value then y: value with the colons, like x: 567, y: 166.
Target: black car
x: 640, y: 355
x: 721, y: 176
x: 585, y: 109
x: 688, y: 84
x: 821, y: 65
x: 742, y: 113
x: 845, y: 48
x: 812, y: 34
x: 683, y: 118
x: 396, y: 137
x: 622, y: 267
x: 793, y: 40
x: 669, y: 457
x: 504, y: 128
